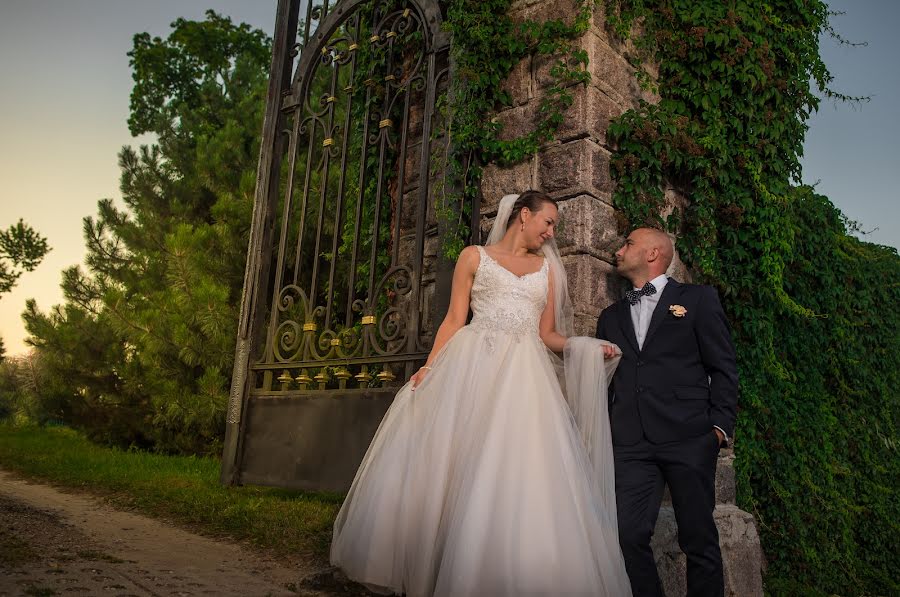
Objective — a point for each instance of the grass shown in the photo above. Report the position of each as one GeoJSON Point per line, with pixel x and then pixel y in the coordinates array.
{"type": "Point", "coordinates": [184, 490]}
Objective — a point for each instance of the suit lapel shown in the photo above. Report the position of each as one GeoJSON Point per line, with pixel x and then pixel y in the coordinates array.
{"type": "Point", "coordinates": [627, 324]}
{"type": "Point", "coordinates": [669, 294]}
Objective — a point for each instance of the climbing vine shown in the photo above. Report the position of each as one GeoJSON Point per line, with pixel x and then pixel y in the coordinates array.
{"type": "Point", "coordinates": [818, 358]}
{"type": "Point", "coordinates": [487, 45]}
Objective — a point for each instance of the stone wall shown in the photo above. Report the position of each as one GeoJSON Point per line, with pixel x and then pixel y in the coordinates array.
{"type": "Point", "coordinates": [575, 170]}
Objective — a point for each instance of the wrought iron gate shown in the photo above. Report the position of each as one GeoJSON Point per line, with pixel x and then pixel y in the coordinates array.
{"type": "Point", "coordinates": [343, 270]}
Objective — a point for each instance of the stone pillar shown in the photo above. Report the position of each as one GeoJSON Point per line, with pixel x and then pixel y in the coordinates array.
{"type": "Point", "coordinates": [575, 167]}
{"type": "Point", "coordinates": [575, 170]}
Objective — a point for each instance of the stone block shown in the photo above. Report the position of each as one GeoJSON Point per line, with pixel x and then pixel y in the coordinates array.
{"type": "Point", "coordinates": [575, 168]}
{"type": "Point", "coordinates": [589, 114]}
{"type": "Point", "coordinates": [485, 228]}
{"type": "Point", "coordinates": [541, 11]}
{"type": "Point", "coordinates": [411, 165]}
{"type": "Point", "coordinates": [593, 283]}
{"type": "Point", "coordinates": [497, 181]}
{"type": "Point", "coordinates": [587, 225]}
{"type": "Point", "coordinates": [742, 556]}
{"type": "Point", "coordinates": [408, 209]}
{"type": "Point", "coordinates": [518, 121]}
{"type": "Point", "coordinates": [416, 117]}
{"type": "Point", "coordinates": [679, 270]}
{"type": "Point", "coordinates": [586, 324]}
{"type": "Point", "coordinates": [518, 84]}
{"type": "Point", "coordinates": [610, 71]}
{"type": "Point", "coordinates": [726, 490]}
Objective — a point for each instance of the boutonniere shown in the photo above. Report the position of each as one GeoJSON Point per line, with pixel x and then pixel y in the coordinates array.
{"type": "Point", "coordinates": [677, 310]}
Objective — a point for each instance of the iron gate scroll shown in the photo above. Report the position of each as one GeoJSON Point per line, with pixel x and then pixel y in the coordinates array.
{"type": "Point", "coordinates": [338, 305]}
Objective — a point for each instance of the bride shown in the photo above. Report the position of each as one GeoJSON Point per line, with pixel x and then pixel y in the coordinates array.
{"type": "Point", "coordinates": [481, 480]}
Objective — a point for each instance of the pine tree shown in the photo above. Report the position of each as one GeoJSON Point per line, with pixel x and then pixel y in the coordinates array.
{"type": "Point", "coordinates": [151, 324]}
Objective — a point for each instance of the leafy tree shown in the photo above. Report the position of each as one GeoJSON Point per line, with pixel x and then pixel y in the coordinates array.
{"type": "Point", "coordinates": [146, 336]}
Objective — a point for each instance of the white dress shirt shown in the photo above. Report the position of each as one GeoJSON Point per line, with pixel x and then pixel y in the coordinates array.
{"type": "Point", "coordinates": [642, 312]}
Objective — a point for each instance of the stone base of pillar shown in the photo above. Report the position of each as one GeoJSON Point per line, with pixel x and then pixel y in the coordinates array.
{"type": "Point", "coordinates": [742, 555]}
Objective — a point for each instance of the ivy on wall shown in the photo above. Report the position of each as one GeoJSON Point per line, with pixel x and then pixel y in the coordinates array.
{"type": "Point", "coordinates": [487, 45]}
{"type": "Point", "coordinates": [818, 340]}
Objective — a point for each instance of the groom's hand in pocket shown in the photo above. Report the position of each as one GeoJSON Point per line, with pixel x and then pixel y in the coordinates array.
{"type": "Point", "coordinates": [719, 436]}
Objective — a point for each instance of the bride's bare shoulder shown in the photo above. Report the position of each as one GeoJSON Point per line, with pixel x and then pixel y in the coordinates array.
{"type": "Point", "coordinates": [469, 258]}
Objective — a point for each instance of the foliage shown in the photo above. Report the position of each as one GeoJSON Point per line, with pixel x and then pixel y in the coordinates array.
{"type": "Point", "coordinates": [141, 351]}
{"type": "Point", "coordinates": [21, 250]}
{"type": "Point", "coordinates": [183, 489]}
{"type": "Point", "coordinates": [487, 45]}
{"type": "Point", "coordinates": [818, 352]}
{"type": "Point", "coordinates": [20, 399]}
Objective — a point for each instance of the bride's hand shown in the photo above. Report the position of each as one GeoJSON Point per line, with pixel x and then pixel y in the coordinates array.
{"type": "Point", "coordinates": [418, 376]}
{"type": "Point", "coordinates": [610, 351]}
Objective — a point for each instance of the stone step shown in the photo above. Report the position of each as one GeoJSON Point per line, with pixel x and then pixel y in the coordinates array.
{"type": "Point", "coordinates": [742, 556]}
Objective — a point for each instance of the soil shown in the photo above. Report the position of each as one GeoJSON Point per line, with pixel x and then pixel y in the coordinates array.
{"type": "Point", "coordinates": [58, 542]}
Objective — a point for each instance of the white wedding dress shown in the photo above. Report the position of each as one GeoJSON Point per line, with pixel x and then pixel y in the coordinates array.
{"type": "Point", "coordinates": [478, 483]}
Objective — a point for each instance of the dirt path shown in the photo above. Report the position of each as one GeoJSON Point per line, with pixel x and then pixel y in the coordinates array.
{"type": "Point", "coordinates": [58, 543]}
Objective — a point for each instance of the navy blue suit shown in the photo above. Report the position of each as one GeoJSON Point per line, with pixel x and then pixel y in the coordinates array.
{"type": "Point", "coordinates": [664, 401]}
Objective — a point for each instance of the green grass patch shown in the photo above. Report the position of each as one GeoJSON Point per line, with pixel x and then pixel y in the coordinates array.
{"type": "Point", "coordinates": [184, 490]}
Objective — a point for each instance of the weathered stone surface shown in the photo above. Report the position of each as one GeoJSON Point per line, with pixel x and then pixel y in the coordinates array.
{"type": "Point", "coordinates": [586, 324]}
{"type": "Point", "coordinates": [519, 84]}
{"type": "Point", "coordinates": [416, 118]}
{"type": "Point", "coordinates": [726, 491]}
{"type": "Point", "coordinates": [593, 283]}
{"type": "Point", "coordinates": [587, 225]}
{"type": "Point", "coordinates": [409, 208]}
{"type": "Point", "coordinates": [412, 165]}
{"type": "Point", "coordinates": [575, 168]}
{"type": "Point", "coordinates": [679, 270]}
{"type": "Point", "coordinates": [497, 182]}
{"type": "Point", "coordinates": [610, 71]}
{"type": "Point", "coordinates": [675, 200]}
{"type": "Point", "coordinates": [589, 114]}
{"type": "Point", "coordinates": [518, 121]}
{"type": "Point", "coordinates": [741, 552]}
{"type": "Point", "coordinates": [541, 11]}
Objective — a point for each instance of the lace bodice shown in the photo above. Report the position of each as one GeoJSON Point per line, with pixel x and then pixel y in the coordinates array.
{"type": "Point", "coordinates": [503, 301]}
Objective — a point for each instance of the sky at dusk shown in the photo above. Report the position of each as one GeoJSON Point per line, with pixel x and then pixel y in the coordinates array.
{"type": "Point", "coordinates": [65, 85]}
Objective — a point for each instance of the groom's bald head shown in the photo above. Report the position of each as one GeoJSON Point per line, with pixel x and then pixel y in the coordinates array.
{"type": "Point", "coordinates": [646, 254]}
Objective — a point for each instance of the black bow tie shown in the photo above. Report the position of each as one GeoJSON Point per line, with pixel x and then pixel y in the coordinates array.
{"type": "Point", "coordinates": [633, 296]}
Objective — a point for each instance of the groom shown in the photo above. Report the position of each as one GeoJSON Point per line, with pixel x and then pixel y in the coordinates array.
{"type": "Point", "coordinates": [672, 406]}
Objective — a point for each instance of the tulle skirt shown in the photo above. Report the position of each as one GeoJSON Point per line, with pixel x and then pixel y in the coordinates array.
{"type": "Point", "coordinates": [478, 483]}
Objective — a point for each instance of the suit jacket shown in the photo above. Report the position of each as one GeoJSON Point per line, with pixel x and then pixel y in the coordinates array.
{"type": "Point", "coordinates": [684, 380]}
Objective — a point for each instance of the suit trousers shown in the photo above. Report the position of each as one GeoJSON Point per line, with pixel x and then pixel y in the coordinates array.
{"type": "Point", "coordinates": [688, 467]}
